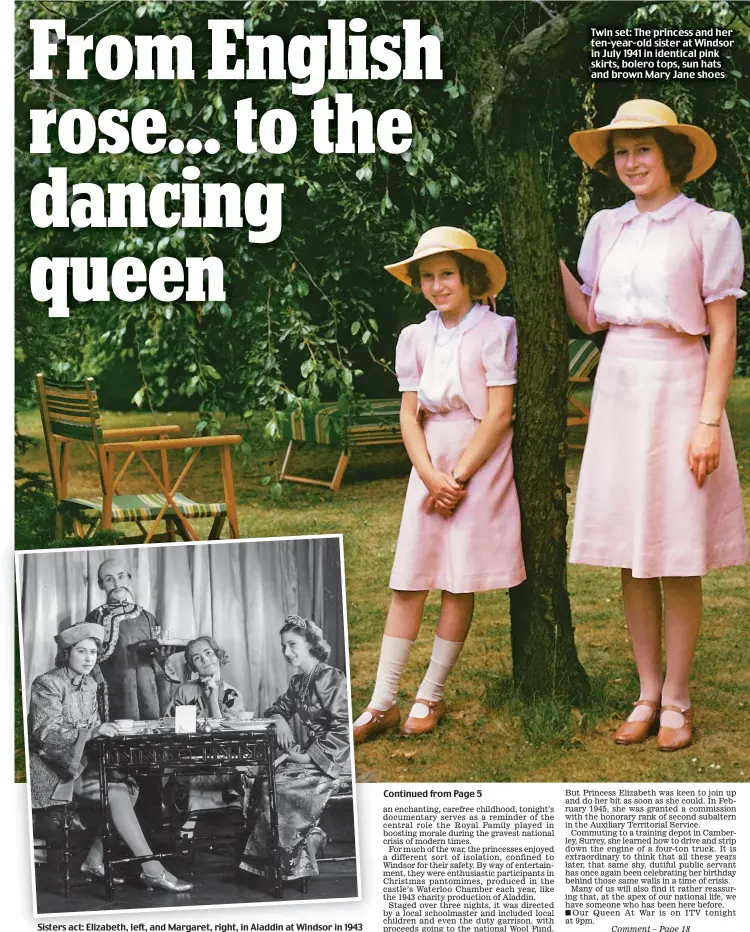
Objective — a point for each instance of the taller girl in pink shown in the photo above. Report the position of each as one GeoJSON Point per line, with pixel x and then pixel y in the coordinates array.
{"type": "Point", "coordinates": [460, 530]}
{"type": "Point", "coordinates": [658, 493]}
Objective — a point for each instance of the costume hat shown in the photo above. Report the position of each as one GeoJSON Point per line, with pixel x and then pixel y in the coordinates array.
{"type": "Point", "coordinates": [75, 633]}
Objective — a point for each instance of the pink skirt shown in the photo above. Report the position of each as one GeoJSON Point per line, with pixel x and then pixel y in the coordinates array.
{"type": "Point", "coordinates": [638, 505]}
{"type": "Point", "coordinates": [479, 547]}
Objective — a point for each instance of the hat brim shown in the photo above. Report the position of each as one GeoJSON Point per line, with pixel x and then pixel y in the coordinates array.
{"type": "Point", "coordinates": [494, 265]}
{"type": "Point", "coordinates": [591, 144]}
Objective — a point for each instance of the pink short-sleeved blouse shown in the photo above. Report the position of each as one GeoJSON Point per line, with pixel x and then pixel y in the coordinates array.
{"type": "Point", "coordinates": [660, 267]}
{"type": "Point", "coordinates": [499, 348]}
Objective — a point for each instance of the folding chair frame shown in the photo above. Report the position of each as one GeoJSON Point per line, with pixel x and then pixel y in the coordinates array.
{"type": "Point", "coordinates": [104, 447]}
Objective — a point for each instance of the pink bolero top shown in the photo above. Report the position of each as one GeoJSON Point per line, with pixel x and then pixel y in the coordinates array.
{"type": "Point", "coordinates": [660, 267]}
{"type": "Point", "coordinates": [487, 355]}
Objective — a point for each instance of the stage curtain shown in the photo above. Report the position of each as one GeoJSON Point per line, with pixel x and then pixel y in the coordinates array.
{"type": "Point", "coordinates": [238, 592]}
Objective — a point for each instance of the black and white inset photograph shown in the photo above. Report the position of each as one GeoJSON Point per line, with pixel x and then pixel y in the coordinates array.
{"type": "Point", "coordinates": [188, 731]}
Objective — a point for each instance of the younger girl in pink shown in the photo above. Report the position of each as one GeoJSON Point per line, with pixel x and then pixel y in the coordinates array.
{"type": "Point", "coordinates": [460, 530]}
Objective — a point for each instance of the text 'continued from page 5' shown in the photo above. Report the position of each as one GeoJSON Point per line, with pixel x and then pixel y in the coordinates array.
{"type": "Point", "coordinates": [468, 863]}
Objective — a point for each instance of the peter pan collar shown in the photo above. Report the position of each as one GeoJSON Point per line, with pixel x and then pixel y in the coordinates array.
{"type": "Point", "coordinates": [667, 211]}
{"type": "Point", "coordinates": [468, 322]}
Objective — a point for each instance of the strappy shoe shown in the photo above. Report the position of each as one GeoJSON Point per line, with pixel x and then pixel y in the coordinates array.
{"type": "Point", "coordinates": [637, 732]}
{"type": "Point", "coordinates": [165, 881]}
{"type": "Point", "coordinates": [675, 739]}
{"type": "Point", "coordinates": [378, 723]}
{"type": "Point", "coordinates": [422, 725]}
{"type": "Point", "coordinates": [97, 873]}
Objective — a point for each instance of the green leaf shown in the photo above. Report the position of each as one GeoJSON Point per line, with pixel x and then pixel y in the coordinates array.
{"type": "Point", "coordinates": [355, 328]}
{"type": "Point", "coordinates": [276, 490]}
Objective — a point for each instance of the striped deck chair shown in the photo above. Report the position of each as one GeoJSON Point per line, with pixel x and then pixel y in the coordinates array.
{"type": "Point", "coordinates": [71, 413]}
{"type": "Point", "coordinates": [583, 357]}
{"type": "Point", "coordinates": [377, 424]}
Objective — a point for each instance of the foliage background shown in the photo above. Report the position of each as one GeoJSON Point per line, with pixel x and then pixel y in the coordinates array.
{"type": "Point", "coordinates": [313, 314]}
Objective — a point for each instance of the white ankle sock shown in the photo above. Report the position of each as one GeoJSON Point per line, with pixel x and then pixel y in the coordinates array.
{"type": "Point", "coordinates": [444, 656]}
{"type": "Point", "coordinates": [394, 653]}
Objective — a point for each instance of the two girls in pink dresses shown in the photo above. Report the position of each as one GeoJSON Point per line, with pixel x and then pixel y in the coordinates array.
{"type": "Point", "coordinates": [658, 493]}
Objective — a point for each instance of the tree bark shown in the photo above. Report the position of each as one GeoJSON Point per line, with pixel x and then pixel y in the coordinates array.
{"type": "Point", "coordinates": [507, 90]}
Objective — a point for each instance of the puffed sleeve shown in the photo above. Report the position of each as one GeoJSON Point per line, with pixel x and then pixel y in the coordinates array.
{"type": "Point", "coordinates": [57, 740]}
{"type": "Point", "coordinates": [500, 352]}
{"type": "Point", "coordinates": [722, 257]}
{"type": "Point", "coordinates": [407, 366]}
{"type": "Point", "coordinates": [330, 751]}
{"type": "Point", "coordinates": [588, 258]}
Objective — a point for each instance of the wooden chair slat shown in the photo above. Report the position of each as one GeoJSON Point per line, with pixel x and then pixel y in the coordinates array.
{"type": "Point", "coordinates": [71, 412]}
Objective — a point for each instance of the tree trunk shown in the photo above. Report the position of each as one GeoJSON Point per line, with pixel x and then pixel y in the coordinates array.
{"type": "Point", "coordinates": [545, 661]}
{"type": "Point", "coordinates": [507, 88]}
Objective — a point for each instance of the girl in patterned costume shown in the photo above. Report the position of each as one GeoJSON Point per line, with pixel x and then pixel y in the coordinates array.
{"type": "Point", "coordinates": [309, 773]}
{"type": "Point", "coordinates": [63, 717]}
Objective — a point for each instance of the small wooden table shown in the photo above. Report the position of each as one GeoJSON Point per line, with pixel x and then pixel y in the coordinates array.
{"type": "Point", "coordinates": [160, 749]}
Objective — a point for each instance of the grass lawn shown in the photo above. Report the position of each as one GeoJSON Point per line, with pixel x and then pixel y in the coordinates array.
{"type": "Point", "coordinates": [488, 735]}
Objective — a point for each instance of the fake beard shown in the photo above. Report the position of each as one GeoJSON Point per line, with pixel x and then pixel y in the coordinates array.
{"type": "Point", "coordinates": [121, 598]}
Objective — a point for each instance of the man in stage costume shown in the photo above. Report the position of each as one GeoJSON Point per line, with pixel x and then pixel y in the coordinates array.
{"type": "Point", "coordinates": [138, 686]}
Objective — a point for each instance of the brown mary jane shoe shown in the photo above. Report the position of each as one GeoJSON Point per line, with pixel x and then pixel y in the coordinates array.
{"type": "Point", "coordinates": [636, 732]}
{"type": "Point", "coordinates": [675, 739]}
{"type": "Point", "coordinates": [421, 726]}
{"type": "Point", "coordinates": [378, 724]}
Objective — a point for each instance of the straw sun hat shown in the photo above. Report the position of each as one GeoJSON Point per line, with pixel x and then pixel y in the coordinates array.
{"type": "Point", "coordinates": [452, 239]}
{"type": "Point", "coordinates": [591, 144]}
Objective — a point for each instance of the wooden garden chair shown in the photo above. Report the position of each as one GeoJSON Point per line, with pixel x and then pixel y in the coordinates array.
{"type": "Point", "coordinates": [583, 358]}
{"type": "Point", "coordinates": [70, 412]}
